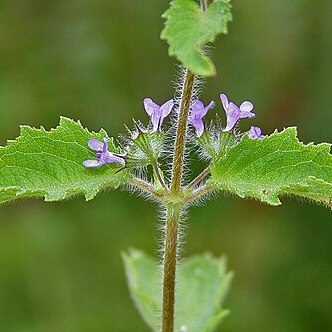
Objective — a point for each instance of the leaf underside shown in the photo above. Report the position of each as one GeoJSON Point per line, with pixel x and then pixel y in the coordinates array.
{"type": "Point", "coordinates": [48, 164]}
{"type": "Point", "coordinates": [277, 165]}
{"type": "Point", "coordinates": [188, 29]}
{"type": "Point", "coordinates": [202, 284]}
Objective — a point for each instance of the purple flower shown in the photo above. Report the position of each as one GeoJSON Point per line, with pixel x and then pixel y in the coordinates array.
{"type": "Point", "coordinates": [255, 132]}
{"type": "Point", "coordinates": [157, 113]}
{"type": "Point", "coordinates": [198, 111]}
{"type": "Point", "coordinates": [235, 113]}
{"type": "Point", "coordinates": [103, 155]}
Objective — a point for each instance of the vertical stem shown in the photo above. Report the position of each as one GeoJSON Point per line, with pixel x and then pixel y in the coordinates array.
{"type": "Point", "coordinates": [181, 132]}
{"type": "Point", "coordinates": [170, 261]}
{"type": "Point", "coordinates": [173, 209]}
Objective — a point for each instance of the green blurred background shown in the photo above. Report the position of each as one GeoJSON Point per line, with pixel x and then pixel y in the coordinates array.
{"type": "Point", "coordinates": [95, 60]}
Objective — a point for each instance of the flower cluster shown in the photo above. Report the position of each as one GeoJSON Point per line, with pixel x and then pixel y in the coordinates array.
{"type": "Point", "coordinates": [198, 111]}
{"type": "Point", "coordinates": [233, 115]}
{"type": "Point", "coordinates": [157, 115]}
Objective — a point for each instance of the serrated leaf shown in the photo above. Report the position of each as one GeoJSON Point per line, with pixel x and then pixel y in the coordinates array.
{"type": "Point", "coordinates": [48, 164]}
{"type": "Point", "coordinates": [277, 165]}
{"type": "Point", "coordinates": [188, 29]}
{"type": "Point", "coordinates": [202, 284]}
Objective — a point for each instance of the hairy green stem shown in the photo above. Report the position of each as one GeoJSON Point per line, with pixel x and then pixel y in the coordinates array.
{"type": "Point", "coordinates": [181, 131]}
{"type": "Point", "coordinates": [200, 177]}
{"type": "Point", "coordinates": [170, 261]}
{"type": "Point", "coordinates": [198, 193]}
{"type": "Point", "coordinates": [159, 175]}
{"type": "Point", "coordinates": [144, 186]}
{"type": "Point", "coordinates": [174, 209]}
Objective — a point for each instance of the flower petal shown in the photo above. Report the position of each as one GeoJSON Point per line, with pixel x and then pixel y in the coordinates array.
{"type": "Point", "coordinates": [197, 108]}
{"type": "Point", "coordinates": [166, 108]}
{"type": "Point", "coordinates": [255, 132]}
{"type": "Point", "coordinates": [233, 116]}
{"type": "Point", "coordinates": [111, 158]}
{"type": "Point", "coordinates": [95, 144]}
{"type": "Point", "coordinates": [224, 101]}
{"type": "Point", "coordinates": [155, 119]}
{"type": "Point", "coordinates": [245, 114]}
{"type": "Point", "coordinates": [198, 123]}
{"type": "Point", "coordinates": [105, 145]}
{"type": "Point", "coordinates": [91, 163]}
{"type": "Point", "coordinates": [150, 106]}
{"type": "Point", "coordinates": [232, 108]}
{"type": "Point", "coordinates": [246, 106]}
{"type": "Point", "coordinates": [210, 105]}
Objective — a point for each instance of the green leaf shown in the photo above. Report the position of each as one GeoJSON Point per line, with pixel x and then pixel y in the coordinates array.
{"type": "Point", "coordinates": [277, 165]}
{"type": "Point", "coordinates": [202, 284]}
{"type": "Point", "coordinates": [188, 29]}
{"type": "Point", "coordinates": [143, 276]}
{"type": "Point", "coordinates": [202, 287]}
{"type": "Point", "coordinates": [48, 164]}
